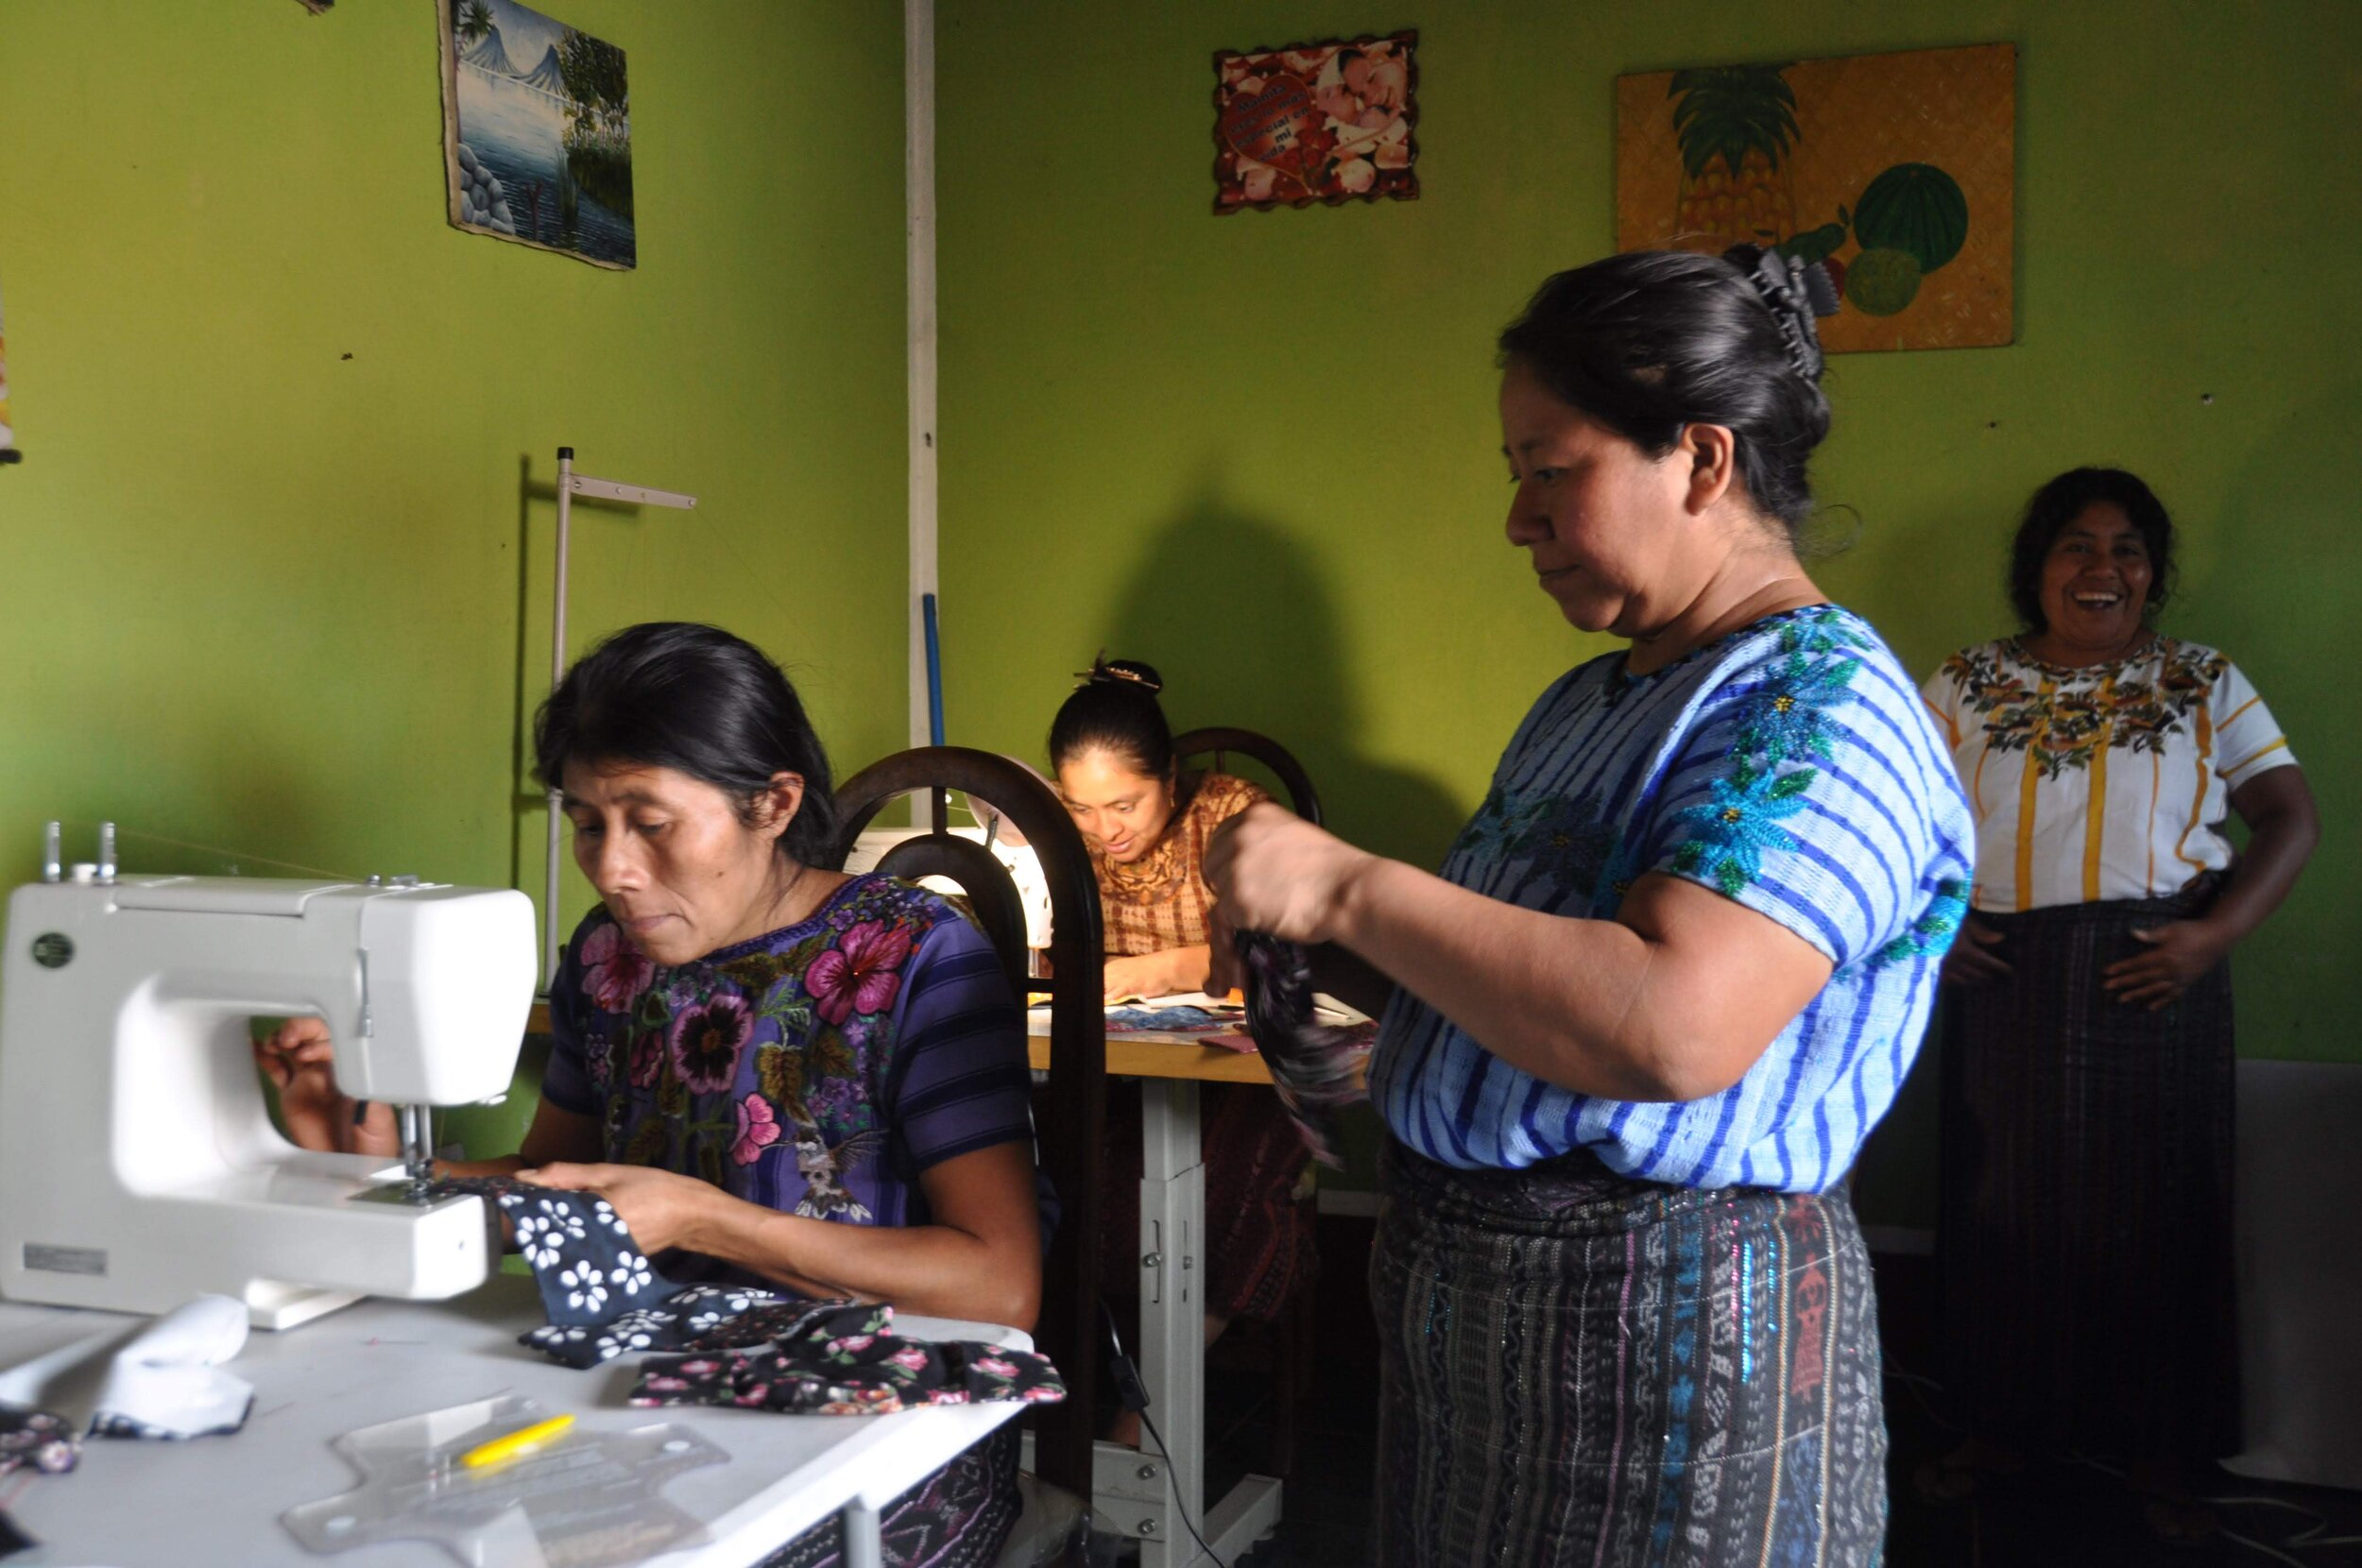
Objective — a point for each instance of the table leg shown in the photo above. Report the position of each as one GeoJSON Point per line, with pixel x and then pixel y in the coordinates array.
{"type": "Point", "coordinates": [1173, 1305]}
{"type": "Point", "coordinates": [865, 1546]}
{"type": "Point", "coordinates": [1135, 1492]}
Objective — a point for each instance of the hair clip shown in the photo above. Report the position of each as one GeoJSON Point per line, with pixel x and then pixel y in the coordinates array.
{"type": "Point", "coordinates": [1103, 673]}
{"type": "Point", "coordinates": [1795, 291]}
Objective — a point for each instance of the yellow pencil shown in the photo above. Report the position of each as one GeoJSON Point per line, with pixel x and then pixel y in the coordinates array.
{"type": "Point", "coordinates": [515, 1442]}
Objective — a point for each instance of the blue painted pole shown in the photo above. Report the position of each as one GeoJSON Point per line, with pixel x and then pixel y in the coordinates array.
{"type": "Point", "coordinates": [934, 670]}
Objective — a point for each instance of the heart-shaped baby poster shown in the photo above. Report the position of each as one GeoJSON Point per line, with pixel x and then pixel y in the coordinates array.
{"type": "Point", "coordinates": [1269, 128]}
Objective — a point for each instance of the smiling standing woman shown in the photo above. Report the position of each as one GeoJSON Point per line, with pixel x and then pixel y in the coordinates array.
{"type": "Point", "coordinates": [2086, 1227]}
{"type": "Point", "coordinates": [777, 1074]}
{"type": "Point", "coordinates": [1669, 977]}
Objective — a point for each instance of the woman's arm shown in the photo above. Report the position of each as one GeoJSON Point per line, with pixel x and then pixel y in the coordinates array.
{"type": "Point", "coordinates": [2282, 828]}
{"type": "Point", "coordinates": [299, 1060]}
{"type": "Point", "coordinates": [1160, 974]}
{"type": "Point", "coordinates": [555, 1136]}
{"type": "Point", "coordinates": [1674, 999]}
{"type": "Point", "coordinates": [979, 1258]}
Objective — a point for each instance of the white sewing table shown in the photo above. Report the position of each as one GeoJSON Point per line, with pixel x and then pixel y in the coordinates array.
{"type": "Point", "coordinates": [1133, 1492]}
{"type": "Point", "coordinates": [215, 1502]}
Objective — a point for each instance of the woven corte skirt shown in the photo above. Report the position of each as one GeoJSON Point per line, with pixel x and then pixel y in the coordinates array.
{"type": "Point", "coordinates": [1582, 1369]}
{"type": "Point", "coordinates": [2086, 1237]}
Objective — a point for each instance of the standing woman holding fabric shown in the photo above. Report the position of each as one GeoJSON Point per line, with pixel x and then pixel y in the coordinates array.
{"type": "Point", "coordinates": [2088, 1070]}
{"type": "Point", "coordinates": [1670, 975]}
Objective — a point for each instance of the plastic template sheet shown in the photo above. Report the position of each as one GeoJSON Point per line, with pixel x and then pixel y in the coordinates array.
{"type": "Point", "coordinates": [587, 1499]}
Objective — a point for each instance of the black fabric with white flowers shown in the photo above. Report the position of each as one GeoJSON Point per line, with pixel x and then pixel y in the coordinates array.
{"type": "Point", "coordinates": [579, 1248]}
{"type": "Point", "coordinates": [730, 1344]}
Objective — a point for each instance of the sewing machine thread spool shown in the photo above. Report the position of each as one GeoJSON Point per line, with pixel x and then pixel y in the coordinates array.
{"type": "Point", "coordinates": [106, 851]}
{"type": "Point", "coordinates": [53, 852]}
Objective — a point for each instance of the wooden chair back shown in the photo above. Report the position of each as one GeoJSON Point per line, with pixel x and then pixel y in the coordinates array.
{"type": "Point", "coordinates": [1221, 741]}
{"type": "Point", "coordinates": [1074, 1101]}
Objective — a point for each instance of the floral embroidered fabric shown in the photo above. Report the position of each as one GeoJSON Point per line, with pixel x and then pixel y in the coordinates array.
{"type": "Point", "coordinates": [38, 1441]}
{"type": "Point", "coordinates": [2102, 782]}
{"type": "Point", "coordinates": [818, 1070]}
{"type": "Point", "coordinates": [737, 1345]}
{"type": "Point", "coordinates": [841, 1360]}
{"type": "Point", "coordinates": [1790, 767]}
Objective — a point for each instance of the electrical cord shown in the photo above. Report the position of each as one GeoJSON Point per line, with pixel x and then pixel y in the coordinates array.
{"type": "Point", "coordinates": [1132, 1394]}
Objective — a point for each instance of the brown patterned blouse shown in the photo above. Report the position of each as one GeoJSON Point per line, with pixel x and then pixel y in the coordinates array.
{"type": "Point", "coordinates": [1161, 901]}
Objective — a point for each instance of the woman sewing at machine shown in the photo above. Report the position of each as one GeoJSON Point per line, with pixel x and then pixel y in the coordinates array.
{"type": "Point", "coordinates": [782, 1074]}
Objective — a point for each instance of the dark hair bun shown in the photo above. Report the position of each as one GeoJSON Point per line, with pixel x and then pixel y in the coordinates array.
{"type": "Point", "coordinates": [1114, 709]}
{"type": "Point", "coordinates": [1124, 672]}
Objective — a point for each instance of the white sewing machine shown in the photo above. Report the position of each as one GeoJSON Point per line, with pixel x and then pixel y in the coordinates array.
{"type": "Point", "coordinates": [138, 1162]}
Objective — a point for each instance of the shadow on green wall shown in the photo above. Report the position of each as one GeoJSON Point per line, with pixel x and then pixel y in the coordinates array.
{"type": "Point", "coordinates": [1236, 615]}
{"type": "Point", "coordinates": [2275, 592]}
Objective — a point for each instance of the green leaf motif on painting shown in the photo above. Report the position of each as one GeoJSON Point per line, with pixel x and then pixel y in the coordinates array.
{"type": "Point", "coordinates": [1732, 110]}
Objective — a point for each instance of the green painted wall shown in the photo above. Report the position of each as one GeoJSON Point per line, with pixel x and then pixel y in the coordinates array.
{"type": "Point", "coordinates": [1261, 450]}
{"type": "Point", "coordinates": [273, 582]}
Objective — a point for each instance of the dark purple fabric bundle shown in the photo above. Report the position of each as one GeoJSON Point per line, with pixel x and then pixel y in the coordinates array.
{"type": "Point", "coordinates": [1317, 1068]}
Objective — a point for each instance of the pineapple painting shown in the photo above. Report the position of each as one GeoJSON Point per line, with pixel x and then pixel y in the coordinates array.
{"type": "Point", "coordinates": [1735, 124]}
{"type": "Point", "coordinates": [1895, 172]}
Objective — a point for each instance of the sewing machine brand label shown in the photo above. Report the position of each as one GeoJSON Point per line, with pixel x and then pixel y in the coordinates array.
{"type": "Point", "coordinates": [65, 1260]}
{"type": "Point", "coordinates": [53, 949]}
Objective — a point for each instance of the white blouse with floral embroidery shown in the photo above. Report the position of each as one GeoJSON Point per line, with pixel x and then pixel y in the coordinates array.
{"type": "Point", "coordinates": [2103, 781]}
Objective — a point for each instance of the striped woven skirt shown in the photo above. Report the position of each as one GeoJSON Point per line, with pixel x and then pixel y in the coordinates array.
{"type": "Point", "coordinates": [2086, 1235]}
{"type": "Point", "coordinates": [1578, 1368]}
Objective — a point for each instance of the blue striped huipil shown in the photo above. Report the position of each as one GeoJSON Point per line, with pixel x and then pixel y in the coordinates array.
{"type": "Point", "coordinates": [1793, 767]}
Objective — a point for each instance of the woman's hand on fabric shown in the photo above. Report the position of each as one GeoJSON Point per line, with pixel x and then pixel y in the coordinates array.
{"type": "Point", "coordinates": [978, 1256]}
{"type": "Point", "coordinates": [299, 1058]}
{"type": "Point", "coordinates": [660, 1209]}
{"type": "Point", "coordinates": [1971, 960]}
{"type": "Point", "coordinates": [1275, 872]}
{"type": "Point", "coordinates": [1131, 977]}
{"type": "Point", "coordinates": [2179, 953]}
{"type": "Point", "coordinates": [1163, 974]}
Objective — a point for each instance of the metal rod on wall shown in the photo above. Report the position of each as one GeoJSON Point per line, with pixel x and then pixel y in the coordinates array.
{"type": "Point", "coordinates": [919, 216]}
{"type": "Point", "coordinates": [571, 485]}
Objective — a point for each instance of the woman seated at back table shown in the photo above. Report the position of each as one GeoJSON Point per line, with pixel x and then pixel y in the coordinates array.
{"type": "Point", "coordinates": [1146, 823]}
{"type": "Point", "coordinates": [777, 1074]}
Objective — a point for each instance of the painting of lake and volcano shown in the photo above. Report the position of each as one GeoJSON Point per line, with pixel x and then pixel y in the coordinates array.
{"type": "Point", "coordinates": [537, 132]}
